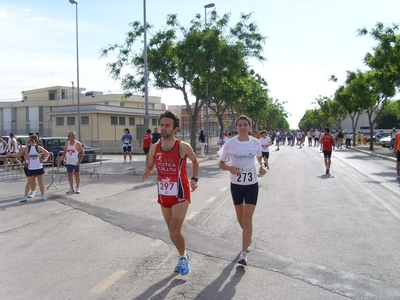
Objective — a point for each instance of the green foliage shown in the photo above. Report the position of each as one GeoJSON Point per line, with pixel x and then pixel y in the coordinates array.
{"type": "Point", "coordinates": [189, 59]}
{"type": "Point", "coordinates": [389, 116]}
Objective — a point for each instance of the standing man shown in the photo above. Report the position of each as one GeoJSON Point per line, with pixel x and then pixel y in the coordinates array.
{"type": "Point", "coordinates": [147, 143]}
{"type": "Point", "coordinates": [393, 135]}
{"type": "Point", "coordinates": [328, 144]}
{"type": "Point", "coordinates": [39, 139]}
{"type": "Point", "coordinates": [174, 187]}
{"type": "Point", "coordinates": [156, 136]}
{"type": "Point", "coordinates": [397, 151]}
{"type": "Point", "coordinates": [72, 157]}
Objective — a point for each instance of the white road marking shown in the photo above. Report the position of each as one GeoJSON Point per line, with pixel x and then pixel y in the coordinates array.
{"type": "Point", "coordinates": [106, 283]}
{"type": "Point", "coordinates": [192, 215]}
{"type": "Point", "coordinates": [224, 189]}
{"type": "Point", "coordinates": [211, 199]}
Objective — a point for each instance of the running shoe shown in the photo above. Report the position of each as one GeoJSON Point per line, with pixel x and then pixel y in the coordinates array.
{"type": "Point", "coordinates": [242, 258]}
{"type": "Point", "coordinates": [124, 162]}
{"type": "Point", "coordinates": [178, 265]}
{"type": "Point", "coordinates": [31, 194]}
{"type": "Point", "coordinates": [267, 167]}
{"type": "Point", "coordinates": [130, 162]}
{"type": "Point", "coordinates": [44, 198]}
{"type": "Point", "coordinates": [77, 191]}
{"type": "Point", "coordinates": [398, 177]}
{"type": "Point", "coordinates": [23, 199]}
{"type": "Point", "coordinates": [70, 191]}
{"type": "Point", "coordinates": [184, 264]}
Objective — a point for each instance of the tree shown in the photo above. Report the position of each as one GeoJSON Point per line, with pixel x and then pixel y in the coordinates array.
{"type": "Point", "coordinates": [189, 58]}
{"type": "Point", "coordinates": [385, 58]}
{"type": "Point", "coordinates": [350, 100]}
{"type": "Point", "coordinates": [389, 116]}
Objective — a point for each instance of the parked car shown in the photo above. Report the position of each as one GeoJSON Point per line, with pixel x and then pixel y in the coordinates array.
{"type": "Point", "coordinates": [380, 134]}
{"type": "Point", "coordinates": [385, 141]}
{"type": "Point", "coordinates": [56, 145]}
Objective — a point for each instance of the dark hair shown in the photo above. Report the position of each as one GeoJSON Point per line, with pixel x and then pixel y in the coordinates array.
{"type": "Point", "coordinates": [243, 117]}
{"type": "Point", "coordinates": [11, 134]}
{"type": "Point", "coordinates": [170, 114]}
{"type": "Point", "coordinates": [148, 130]}
{"type": "Point", "coordinates": [263, 131]}
{"type": "Point", "coordinates": [31, 133]}
{"type": "Point", "coordinates": [34, 138]}
{"type": "Point", "coordinates": [327, 129]}
{"type": "Point", "coordinates": [37, 133]}
{"type": "Point", "coordinates": [127, 130]}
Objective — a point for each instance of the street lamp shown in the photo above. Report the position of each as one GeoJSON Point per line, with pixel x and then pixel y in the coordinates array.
{"type": "Point", "coordinates": [77, 72]}
{"type": "Point", "coordinates": [207, 115]}
{"type": "Point", "coordinates": [146, 92]}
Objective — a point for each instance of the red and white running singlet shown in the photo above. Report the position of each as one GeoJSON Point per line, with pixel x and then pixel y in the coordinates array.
{"type": "Point", "coordinates": [327, 142]}
{"type": "Point", "coordinates": [173, 182]}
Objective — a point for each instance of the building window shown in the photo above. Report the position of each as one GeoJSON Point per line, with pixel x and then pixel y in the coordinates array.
{"type": "Point", "coordinates": [40, 113]}
{"type": "Point", "coordinates": [70, 120]}
{"type": "Point", "coordinates": [27, 114]}
{"type": "Point", "coordinates": [154, 122]}
{"type": "Point", "coordinates": [114, 120]}
{"type": "Point", "coordinates": [85, 120]}
{"type": "Point", "coordinates": [63, 94]}
{"type": "Point", "coordinates": [59, 121]}
{"type": "Point", "coordinates": [25, 98]}
{"type": "Point", "coordinates": [51, 96]}
{"type": "Point", "coordinates": [131, 121]}
{"type": "Point", "coordinates": [121, 120]}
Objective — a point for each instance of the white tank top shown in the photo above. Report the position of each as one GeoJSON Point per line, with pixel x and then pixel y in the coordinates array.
{"type": "Point", "coordinates": [71, 156]}
{"type": "Point", "coordinates": [11, 145]}
{"type": "Point", "coordinates": [34, 159]}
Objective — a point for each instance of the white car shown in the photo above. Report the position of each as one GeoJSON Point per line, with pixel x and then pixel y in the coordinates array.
{"type": "Point", "coordinates": [385, 141]}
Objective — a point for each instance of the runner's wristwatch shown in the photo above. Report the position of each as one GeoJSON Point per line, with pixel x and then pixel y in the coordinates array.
{"type": "Point", "coordinates": [195, 178]}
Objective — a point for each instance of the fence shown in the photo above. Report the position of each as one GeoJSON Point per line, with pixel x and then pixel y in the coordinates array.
{"type": "Point", "coordinates": [92, 162]}
{"type": "Point", "coordinates": [53, 166]}
{"type": "Point", "coordinates": [15, 171]}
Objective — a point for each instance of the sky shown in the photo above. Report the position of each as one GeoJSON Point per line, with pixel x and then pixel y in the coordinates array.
{"type": "Point", "coordinates": [307, 41]}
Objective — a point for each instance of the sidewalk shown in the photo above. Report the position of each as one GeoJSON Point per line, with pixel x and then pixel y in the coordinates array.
{"type": "Point", "coordinates": [379, 151]}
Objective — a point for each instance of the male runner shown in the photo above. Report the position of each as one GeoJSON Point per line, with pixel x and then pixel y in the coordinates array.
{"type": "Point", "coordinates": [169, 155]}
{"type": "Point", "coordinates": [328, 144]}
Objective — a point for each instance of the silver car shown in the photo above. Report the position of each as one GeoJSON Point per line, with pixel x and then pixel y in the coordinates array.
{"type": "Point", "coordinates": [385, 141]}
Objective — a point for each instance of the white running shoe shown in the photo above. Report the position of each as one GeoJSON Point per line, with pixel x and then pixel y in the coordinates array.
{"type": "Point", "coordinates": [44, 198]}
{"type": "Point", "coordinates": [77, 191]}
{"type": "Point", "coordinates": [23, 199]}
{"type": "Point", "coordinates": [31, 194]}
{"type": "Point", "coordinates": [242, 258]}
{"type": "Point", "coordinates": [70, 191]}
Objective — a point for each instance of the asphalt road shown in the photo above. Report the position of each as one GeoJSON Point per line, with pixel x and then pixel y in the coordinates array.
{"type": "Point", "coordinates": [316, 236]}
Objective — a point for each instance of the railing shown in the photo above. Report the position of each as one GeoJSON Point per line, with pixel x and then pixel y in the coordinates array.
{"type": "Point", "coordinates": [16, 171]}
{"type": "Point", "coordinates": [90, 165]}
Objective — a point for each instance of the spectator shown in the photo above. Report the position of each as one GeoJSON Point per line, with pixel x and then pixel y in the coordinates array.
{"type": "Point", "coordinates": [222, 139]}
{"type": "Point", "coordinates": [393, 134]}
{"type": "Point", "coordinates": [202, 140]}
{"type": "Point", "coordinates": [127, 145]}
{"type": "Point", "coordinates": [156, 136]}
{"type": "Point", "coordinates": [147, 143]}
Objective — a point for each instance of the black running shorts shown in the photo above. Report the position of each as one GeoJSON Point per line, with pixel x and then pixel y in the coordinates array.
{"type": "Point", "coordinates": [244, 193]}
